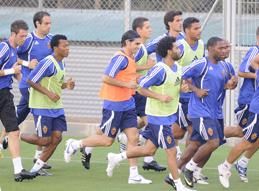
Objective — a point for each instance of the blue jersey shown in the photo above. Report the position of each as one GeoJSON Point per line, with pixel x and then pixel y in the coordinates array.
{"type": "Point", "coordinates": [230, 72]}
{"type": "Point", "coordinates": [8, 57]}
{"type": "Point", "coordinates": [151, 46]}
{"type": "Point", "coordinates": [33, 48]}
{"type": "Point", "coordinates": [205, 75]}
{"type": "Point", "coordinates": [45, 68]}
{"type": "Point", "coordinates": [155, 77]}
{"type": "Point", "coordinates": [117, 63]}
{"type": "Point", "coordinates": [254, 105]}
{"type": "Point", "coordinates": [248, 85]}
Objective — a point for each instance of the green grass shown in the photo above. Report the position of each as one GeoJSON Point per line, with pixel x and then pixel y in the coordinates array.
{"type": "Point", "coordinates": [73, 177]}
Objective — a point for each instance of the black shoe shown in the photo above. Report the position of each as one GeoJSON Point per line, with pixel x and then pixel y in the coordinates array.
{"type": "Point", "coordinates": [5, 142]}
{"type": "Point", "coordinates": [153, 165]}
{"type": "Point", "coordinates": [85, 159]}
{"type": "Point", "coordinates": [170, 181]}
{"type": "Point", "coordinates": [188, 177]}
{"type": "Point", "coordinates": [45, 166]}
{"type": "Point", "coordinates": [24, 174]}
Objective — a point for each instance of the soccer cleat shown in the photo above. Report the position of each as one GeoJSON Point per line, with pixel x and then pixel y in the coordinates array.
{"type": "Point", "coordinates": [85, 158]}
{"type": "Point", "coordinates": [45, 166]}
{"type": "Point", "coordinates": [188, 177]}
{"type": "Point", "coordinates": [200, 179]}
{"type": "Point", "coordinates": [183, 188]}
{"type": "Point", "coordinates": [224, 175]}
{"type": "Point", "coordinates": [153, 165]}
{"type": "Point", "coordinates": [43, 172]}
{"type": "Point", "coordinates": [242, 172]}
{"type": "Point", "coordinates": [138, 180]}
{"type": "Point", "coordinates": [5, 142]}
{"type": "Point", "coordinates": [170, 181]}
{"type": "Point", "coordinates": [112, 163]}
{"type": "Point", "coordinates": [69, 151]}
{"type": "Point", "coordinates": [24, 174]}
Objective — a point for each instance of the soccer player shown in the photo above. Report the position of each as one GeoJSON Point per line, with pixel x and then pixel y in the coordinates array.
{"type": "Point", "coordinates": [207, 73]}
{"type": "Point", "coordinates": [119, 84]}
{"type": "Point", "coordinates": [161, 86]}
{"type": "Point", "coordinates": [251, 131]}
{"type": "Point", "coordinates": [47, 81]}
{"type": "Point", "coordinates": [10, 68]}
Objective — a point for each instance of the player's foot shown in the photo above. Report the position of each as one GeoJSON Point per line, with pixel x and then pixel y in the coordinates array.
{"type": "Point", "coordinates": [242, 172]}
{"type": "Point", "coordinates": [170, 181]}
{"type": "Point", "coordinates": [45, 166]}
{"type": "Point", "coordinates": [139, 180]}
{"type": "Point", "coordinates": [24, 174]}
{"type": "Point", "coordinates": [200, 178]}
{"type": "Point", "coordinates": [43, 172]}
{"type": "Point", "coordinates": [69, 151]}
{"type": "Point", "coordinates": [188, 177]}
{"type": "Point", "coordinates": [5, 142]}
{"type": "Point", "coordinates": [85, 158]}
{"type": "Point", "coordinates": [224, 175]}
{"type": "Point", "coordinates": [153, 165]}
{"type": "Point", "coordinates": [112, 163]}
{"type": "Point", "coordinates": [183, 188]}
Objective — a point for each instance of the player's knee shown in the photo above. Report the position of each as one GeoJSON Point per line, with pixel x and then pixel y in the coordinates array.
{"type": "Point", "coordinates": [214, 143]}
{"type": "Point", "coordinates": [108, 142]}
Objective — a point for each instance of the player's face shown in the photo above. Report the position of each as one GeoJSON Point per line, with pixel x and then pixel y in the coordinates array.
{"type": "Point", "coordinates": [176, 24]}
{"type": "Point", "coordinates": [145, 31]}
{"type": "Point", "coordinates": [20, 37]}
{"type": "Point", "coordinates": [63, 48]}
{"type": "Point", "coordinates": [195, 31]}
{"type": "Point", "coordinates": [134, 45]}
{"type": "Point", "coordinates": [220, 50]}
{"type": "Point", "coordinates": [228, 49]}
{"type": "Point", "coordinates": [44, 26]}
{"type": "Point", "coordinates": [175, 52]}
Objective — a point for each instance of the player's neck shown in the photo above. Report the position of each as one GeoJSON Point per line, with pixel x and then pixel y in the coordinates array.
{"type": "Point", "coordinates": [39, 34]}
{"type": "Point", "coordinates": [190, 41]}
{"type": "Point", "coordinates": [212, 59]}
{"type": "Point", "coordinates": [143, 40]}
{"type": "Point", "coordinates": [173, 33]}
{"type": "Point", "coordinates": [168, 61]}
{"type": "Point", "coordinates": [127, 52]}
{"type": "Point", "coordinates": [58, 57]}
{"type": "Point", "coordinates": [11, 42]}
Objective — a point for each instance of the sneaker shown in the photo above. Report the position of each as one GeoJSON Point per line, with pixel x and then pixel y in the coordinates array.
{"type": "Point", "coordinates": [153, 165]}
{"type": "Point", "coordinates": [69, 151]}
{"type": "Point", "coordinates": [138, 180]}
{"type": "Point", "coordinates": [224, 175]}
{"type": "Point", "coordinates": [24, 174]}
{"type": "Point", "coordinates": [188, 177]}
{"type": "Point", "coordinates": [183, 188]}
{"type": "Point", "coordinates": [200, 179]}
{"type": "Point", "coordinates": [170, 181]}
{"type": "Point", "coordinates": [85, 159]}
{"type": "Point", "coordinates": [242, 172]}
{"type": "Point", "coordinates": [5, 142]}
{"type": "Point", "coordinates": [45, 166]}
{"type": "Point", "coordinates": [112, 163]}
{"type": "Point", "coordinates": [43, 172]}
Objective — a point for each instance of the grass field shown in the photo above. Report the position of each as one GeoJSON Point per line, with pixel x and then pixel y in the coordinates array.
{"type": "Point", "coordinates": [73, 177]}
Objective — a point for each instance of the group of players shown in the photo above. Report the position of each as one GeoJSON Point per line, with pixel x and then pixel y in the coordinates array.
{"type": "Point", "coordinates": [181, 90]}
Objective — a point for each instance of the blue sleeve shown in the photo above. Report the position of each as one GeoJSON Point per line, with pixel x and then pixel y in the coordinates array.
{"type": "Point", "coordinates": [25, 46]}
{"type": "Point", "coordinates": [117, 63]}
{"type": "Point", "coordinates": [154, 77]}
{"type": "Point", "coordinates": [195, 69]}
{"type": "Point", "coordinates": [231, 69]}
{"type": "Point", "coordinates": [151, 46]}
{"type": "Point", "coordinates": [139, 54]}
{"type": "Point", "coordinates": [45, 68]}
{"type": "Point", "coordinates": [181, 47]}
{"type": "Point", "coordinates": [4, 51]}
{"type": "Point", "coordinates": [244, 66]}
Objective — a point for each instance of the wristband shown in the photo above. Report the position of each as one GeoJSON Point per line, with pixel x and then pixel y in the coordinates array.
{"type": "Point", "coordinates": [25, 63]}
{"type": "Point", "coordinates": [8, 71]}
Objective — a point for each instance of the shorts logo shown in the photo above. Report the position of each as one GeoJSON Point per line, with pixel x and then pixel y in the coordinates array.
{"type": "Point", "coordinates": [169, 139]}
{"type": "Point", "coordinates": [113, 131]}
{"type": "Point", "coordinates": [45, 129]}
{"type": "Point", "coordinates": [244, 121]}
{"type": "Point", "coordinates": [210, 131]}
{"type": "Point", "coordinates": [253, 136]}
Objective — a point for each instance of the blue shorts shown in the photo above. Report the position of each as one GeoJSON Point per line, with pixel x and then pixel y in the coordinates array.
{"type": "Point", "coordinates": [242, 114]}
{"type": "Point", "coordinates": [140, 102]}
{"type": "Point", "coordinates": [204, 129]}
{"type": "Point", "coordinates": [115, 121]}
{"type": "Point", "coordinates": [182, 112]}
{"type": "Point", "coordinates": [160, 135]}
{"type": "Point", "coordinates": [221, 132]}
{"type": "Point", "coordinates": [251, 131]}
{"type": "Point", "coordinates": [46, 125]}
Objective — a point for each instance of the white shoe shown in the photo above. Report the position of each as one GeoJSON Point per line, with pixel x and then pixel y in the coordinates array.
{"type": "Point", "coordinates": [139, 180]}
{"type": "Point", "coordinates": [183, 188]}
{"type": "Point", "coordinates": [224, 175]}
{"type": "Point", "coordinates": [112, 163]}
{"type": "Point", "coordinates": [199, 178]}
{"type": "Point", "coordinates": [69, 151]}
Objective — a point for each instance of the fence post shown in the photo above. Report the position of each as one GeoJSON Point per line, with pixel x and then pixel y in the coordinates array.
{"type": "Point", "coordinates": [40, 4]}
{"type": "Point", "coordinates": [127, 9]}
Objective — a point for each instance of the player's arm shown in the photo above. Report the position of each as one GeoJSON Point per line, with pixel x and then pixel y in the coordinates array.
{"type": "Point", "coordinates": [255, 62]}
{"type": "Point", "coordinates": [149, 64]}
{"type": "Point", "coordinates": [15, 70]}
{"type": "Point", "coordinates": [70, 84]}
{"type": "Point", "coordinates": [29, 64]}
{"type": "Point", "coordinates": [233, 79]}
{"type": "Point", "coordinates": [199, 92]}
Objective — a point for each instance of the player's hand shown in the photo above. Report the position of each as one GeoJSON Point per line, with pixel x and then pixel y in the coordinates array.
{"type": "Point", "coordinates": [232, 83]}
{"type": "Point", "coordinates": [150, 63]}
{"type": "Point", "coordinates": [201, 93]}
{"type": "Point", "coordinates": [33, 63]}
{"type": "Point", "coordinates": [54, 97]}
{"type": "Point", "coordinates": [185, 88]}
{"type": "Point", "coordinates": [17, 68]}
{"type": "Point", "coordinates": [131, 85]}
{"type": "Point", "coordinates": [165, 98]}
{"type": "Point", "coordinates": [70, 84]}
